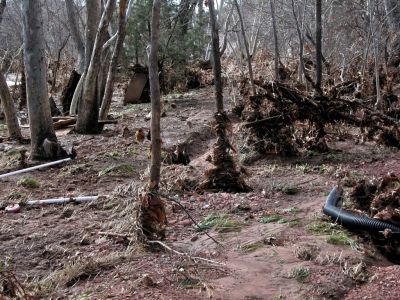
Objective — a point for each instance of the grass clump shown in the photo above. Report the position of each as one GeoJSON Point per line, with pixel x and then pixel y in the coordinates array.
{"type": "Point", "coordinates": [122, 169]}
{"type": "Point", "coordinates": [335, 235]}
{"type": "Point", "coordinates": [273, 219]}
{"type": "Point", "coordinates": [29, 183]}
{"type": "Point", "coordinates": [300, 274]}
{"type": "Point", "coordinates": [251, 247]}
{"type": "Point", "coordinates": [220, 222]}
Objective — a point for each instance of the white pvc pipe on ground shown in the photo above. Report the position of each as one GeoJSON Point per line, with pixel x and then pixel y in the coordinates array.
{"type": "Point", "coordinates": [62, 200]}
{"type": "Point", "coordinates": [35, 167]}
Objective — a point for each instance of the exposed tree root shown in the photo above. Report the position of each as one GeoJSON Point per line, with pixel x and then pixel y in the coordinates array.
{"type": "Point", "coordinates": [225, 176]}
{"type": "Point", "coordinates": [380, 199]}
{"type": "Point", "coordinates": [272, 118]}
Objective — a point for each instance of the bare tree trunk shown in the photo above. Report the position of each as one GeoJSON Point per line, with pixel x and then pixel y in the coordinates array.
{"type": "Point", "coordinates": [277, 58]}
{"type": "Point", "coordinates": [302, 68]}
{"type": "Point", "coordinates": [155, 167]}
{"type": "Point", "coordinates": [89, 105]}
{"type": "Point", "coordinates": [216, 61]}
{"type": "Point", "coordinates": [318, 48]}
{"type": "Point", "coordinates": [41, 125]}
{"type": "Point", "coordinates": [246, 46]}
{"type": "Point", "coordinates": [93, 14]}
{"type": "Point", "coordinates": [7, 102]}
{"type": "Point", "coordinates": [105, 106]}
{"type": "Point", "coordinates": [151, 214]}
{"type": "Point", "coordinates": [76, 36]}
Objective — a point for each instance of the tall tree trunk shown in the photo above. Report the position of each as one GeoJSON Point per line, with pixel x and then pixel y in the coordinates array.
{"type": "Point", "coordinates": [277, 58]}
{"type": "Point", "coordinates": [155, 98]}
{"type": "Point", "coordinates": [318, 47]}
{"type": "Point", "coordinates": [87, 122]}
{"type": "Point", "coordinates": [6, 100]}
{"type": "Point", "coordinates": [246, 47]}
{"type": "Point", "coordinates": [93, 14]}
{"type": "Point", "coordinates": [41, 125]}
{"type": "Point", "coordinates": [216, 61]}
{"type": "Point", "coordinates": [105, 105]}
{"type": "Point", "coordinates": [76, 35]}
{"type": "Point", "coordinates": [151, 214]}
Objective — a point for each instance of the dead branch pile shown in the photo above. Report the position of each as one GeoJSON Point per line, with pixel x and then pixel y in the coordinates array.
{"type": "Point", "coordinates": [380, 198]}
{"type": "Point", "coordinates": [273, 116]}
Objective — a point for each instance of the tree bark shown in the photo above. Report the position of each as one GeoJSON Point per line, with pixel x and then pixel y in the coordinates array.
{"type": "Point", "coordinates": [216, 62]}
{"type": "Point", "coordinates": [7, 102]}
{"type": "Point", "coordinates": [41, 124]}
{"type": "Point", "coordinates": [246, 47]}
{"type": "Point", "coordinates": [155, 167]}
{"type": "Point", "coordinates": [105, 106]}
{"type": "Point", "coordinates": [93, 14]}
{"type": "Point", "coordinates": [76, 35]}
{"type": "Point", "coordinates": [3, 5]}
{"type": "Point", "coordinates": [277, 58]}
{"type": "Point", "coordinates": [89, 105]}
{"type": "Point", "coordinates": [318, 38]}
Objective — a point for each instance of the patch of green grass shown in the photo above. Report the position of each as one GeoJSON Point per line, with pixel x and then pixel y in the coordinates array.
{"type": "Point", "coordinates": [29, 183]}
{"type": "Point", "coordinates": [112, 154]}
{"type": "Point", "coordinates": [304, 168]}
{"type": "Point", "coordinates": [220, 222]}
{"type": "Point", "coordinates": [251, 247]}
{"type": "Point", "coordinates": [122, 169]}
{"type": "Point", "coordinates": [340, 238]}
{"type": "Point", "coordinates": [295, 223]}
{"type": "Point", "coordinates": [132, 152]}
{"type": "Point", "coordinates": [77, 169]}
{"type": "Point", "coordinates": [300, 274]}
{"type": "Point", "coordinates": [273, 219]}
{"type": "Point", "coordinates": [12, 152]}
{"type": "Point", "coordinates": [321, 228]}
{"type": "Point", "coordinates": [3, 127]}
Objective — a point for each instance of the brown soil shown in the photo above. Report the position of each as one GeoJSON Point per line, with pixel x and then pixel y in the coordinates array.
{"type": "Point", "coordinates": [273, 242]}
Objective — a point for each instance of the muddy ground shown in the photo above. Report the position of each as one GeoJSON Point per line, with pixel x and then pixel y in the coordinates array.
{"type": "Point", "coordinates": [271, 243]}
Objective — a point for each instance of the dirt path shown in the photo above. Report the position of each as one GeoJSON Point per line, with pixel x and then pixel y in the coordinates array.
{"type": "Point", "coordinates": [274, 242]}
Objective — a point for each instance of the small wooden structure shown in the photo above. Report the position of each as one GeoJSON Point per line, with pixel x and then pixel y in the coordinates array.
{"type": "Point", "coordinates": [138, 90]}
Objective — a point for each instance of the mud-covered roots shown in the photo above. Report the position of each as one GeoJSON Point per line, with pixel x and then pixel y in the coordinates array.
{"type": "Point", "coordinates": [283, 119]}
{"type": "Point", "coordinates": [380, 199]}
{"type": "Point", "coordinates": [151, 218]}
{"type": "Point", "coordinates": [224, 176]}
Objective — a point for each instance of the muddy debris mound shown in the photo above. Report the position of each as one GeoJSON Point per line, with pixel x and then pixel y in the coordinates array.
{"type": "Point", "coordinates": [379, 198]}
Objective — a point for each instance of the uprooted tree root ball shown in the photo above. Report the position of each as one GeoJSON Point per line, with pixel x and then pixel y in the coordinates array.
{"type": "Point", "coordinates": [151, 218]}
{"type": "Point", "coordinates": [379, 198]}
{"type": "Point", "coordinates": [224, 176]}
{"type": "Point", "coordinates": [283, 119]}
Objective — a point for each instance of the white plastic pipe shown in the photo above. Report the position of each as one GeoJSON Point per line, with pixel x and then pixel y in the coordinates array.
{"type": "Point", "coordinates": [35, 167]}
{"type": "Point", "coordinates": [63, 200]}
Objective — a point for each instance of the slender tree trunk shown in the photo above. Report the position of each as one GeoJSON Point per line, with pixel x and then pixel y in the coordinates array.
{"type": "Point", "coordinates": [155, 167]}
{"type": "Point", "coordinates": [93, 14]}
{"type": "Point", "coordinates": [318, 37]}
{"type": "Point", "coordinates": [7, 102]}
{"type": "Point", "coordinates": [105, 106]}
{"type": "Point", "coordinates": [76, 35]}
{"type": "Point", "coordinates": [89, 105]}
{"type": "Point", "coordinates": [277, 58]}
{"type": "Point", "coordinates": [216, 61]}
{"type": "Point", "coordinates": [41, 125]}
{"type": "Point", "coordinates": [246, 47]}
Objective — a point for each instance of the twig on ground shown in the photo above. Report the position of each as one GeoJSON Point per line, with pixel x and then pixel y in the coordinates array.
{"type": "Point", "coordinates": [185, 254]}
{"type": "Point", "coordinates": [190, 216]}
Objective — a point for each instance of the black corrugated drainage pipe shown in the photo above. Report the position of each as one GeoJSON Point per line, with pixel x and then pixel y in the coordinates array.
{"type": "Point", "coordinates": [354, 222]}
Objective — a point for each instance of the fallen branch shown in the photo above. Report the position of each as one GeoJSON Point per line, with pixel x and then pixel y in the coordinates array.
{"type": "Point", "coordinates": [35, 167]}
{"type": "Point", "coordinates": [185, 254]}
{"type": "Point", "coordinates": [189, 215]}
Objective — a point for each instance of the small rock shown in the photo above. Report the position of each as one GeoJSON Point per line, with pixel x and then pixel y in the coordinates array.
{"type": "Point", "coordinates": [194, 238]}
